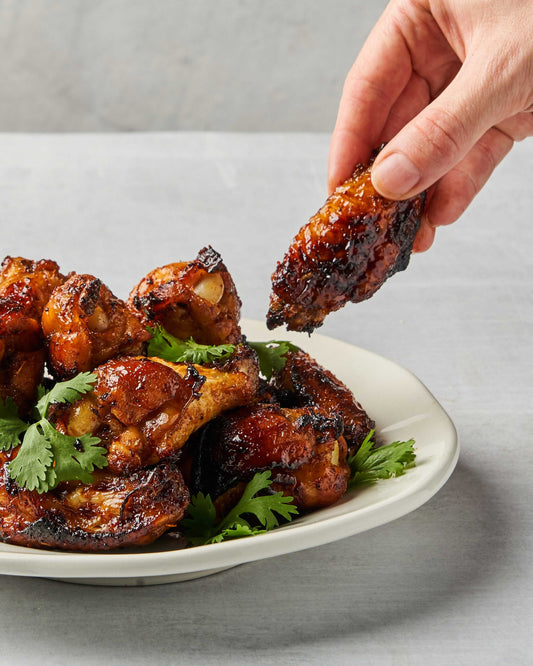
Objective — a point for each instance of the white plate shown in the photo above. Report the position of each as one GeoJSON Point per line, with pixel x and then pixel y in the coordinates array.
{"type": "Point", "coordinates": [402, 407]}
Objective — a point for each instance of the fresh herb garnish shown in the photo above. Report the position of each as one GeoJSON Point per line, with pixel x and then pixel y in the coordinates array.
{"type": "Point", "coordinates": [11, 426]}
{"type": "Point", "coordinates": [271, 355]}
{"type": "Point", "coordinates": [164, 345]}
{"type": "Point", "coordinates": [47, 457]}
{"type": "Point", "coordinates": [371, 463]}
{"type": "Point", "coordinates": [200, 526]}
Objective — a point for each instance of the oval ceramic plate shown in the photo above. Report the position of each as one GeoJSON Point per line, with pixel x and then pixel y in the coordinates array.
{"type": "Point", "coordinates": [402, 407]}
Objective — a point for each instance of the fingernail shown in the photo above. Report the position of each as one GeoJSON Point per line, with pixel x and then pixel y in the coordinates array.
{"type": "Point", "coordinates": [395, 176]}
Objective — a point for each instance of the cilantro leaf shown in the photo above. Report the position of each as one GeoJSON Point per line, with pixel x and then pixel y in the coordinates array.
{"type": "Point", "coordinates": [33, 459]}
{"type": "Point", "coordinates": [371, 463]}
{"type": "Point", "coordinates": [263, 507]}
{"type": "Point", "coordinates": [67, 391]}
{"type": "Point", "coordinates": [200, 525]}
{"type": "Point", "coordinates": [46, 456]}
{"type": "Point", "coordinates": [74, 457]}
{"type": "Point", "coordinates": [164, 345]}
{"type": "Point", "coordinates": [200, 519]}
{"type": "Point", "coordinates": [271, 355]}
{"type": "Point", "coordinates": [11, 426]}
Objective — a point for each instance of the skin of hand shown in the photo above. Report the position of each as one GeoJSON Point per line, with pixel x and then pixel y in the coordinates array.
{"type": "Point", "coordinates": [448, 85]}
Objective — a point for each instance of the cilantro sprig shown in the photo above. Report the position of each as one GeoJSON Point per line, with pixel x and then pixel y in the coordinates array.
{"type": "Point", "coordinates": [200, 526]}
{"type": "Point", "coordinates": [371, 462]}
{"type": "Point", "coordinates": [164, 345]}
{"type": "Point", "coordinates": [271, 355]}
{"type": "Point", "coordinates": [46, 456]}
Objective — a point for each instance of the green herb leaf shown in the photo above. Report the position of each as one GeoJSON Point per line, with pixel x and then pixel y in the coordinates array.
{"type": "Point", "coordinates": [46, 456]}
{"type": "Point", "coordinates": [371, 462]}
{"type": "Point", "coordinates": [199, 526]}
{"type": "Point", "coordinates": [67, 391]}
{"type": "Point", "coordinates": [33, 460]}
{"type": "Point", "coordinates": [74, 457]}
{"type": "Point", "coordinates": [11, 426]}
{"type": "Point", "coordinates": [166, 346]}
{"type": "Point", "coordinates": [271, 355]}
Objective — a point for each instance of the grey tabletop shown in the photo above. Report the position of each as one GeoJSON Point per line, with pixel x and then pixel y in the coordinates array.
{"type": "Point", "coordinates": [449, 583]}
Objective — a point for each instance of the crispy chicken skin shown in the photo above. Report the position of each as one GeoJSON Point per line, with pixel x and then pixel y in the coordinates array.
{"type": "Point", "coordinates": [25, 287]}
{"type": "Point", "coordinates": [85, 325]}
{"type": "Point", "coordinates": [113, 511]}
{"type": "Point", "coordinates": [344, 253]}
{"type": "Point", "coordinates": [303, 382]}
{"type": "Point", "coordinates": [304, 450]}
{"type": "Point", "coordinates": [195, 299]}
{"type": "Point", "coordinates": [145, 409]}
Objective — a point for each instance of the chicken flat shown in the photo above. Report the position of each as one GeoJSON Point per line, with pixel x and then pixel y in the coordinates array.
{"type": "Point", "coordinates": [303, 449]}
{"type": "Point", "coordinates": [344, 253]}
{"type": "Point", "coordinates": [113, 511]}
{"type": "Point", "coordinates": [303, 382]}
{"type": "Point", "coordinates": [195, 299]}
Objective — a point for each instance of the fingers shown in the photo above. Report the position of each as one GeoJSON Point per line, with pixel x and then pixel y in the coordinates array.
{"type": "Point", "coordinates": [377, 78]}
{"type": "Point", "coordinates": [454, 192]}
{"type": "Point", "coordinates": [437, 139]}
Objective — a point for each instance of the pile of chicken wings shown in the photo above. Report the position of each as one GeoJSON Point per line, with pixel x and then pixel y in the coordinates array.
{"type": "Point", "coordinates": [170, 429]}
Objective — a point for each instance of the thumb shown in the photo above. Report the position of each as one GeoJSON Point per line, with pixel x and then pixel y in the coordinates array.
{"type": "Point", "coordinates": [437, 138]}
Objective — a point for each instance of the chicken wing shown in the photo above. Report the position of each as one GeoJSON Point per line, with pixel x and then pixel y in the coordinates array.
{"type": "Point", "coordinates": [195, 299]}
{"type": "Point", "coordinates": [303, 382]}
{"type": "Point", "coordinates": [303, 448]}
{"type": "Point", "coordinates": [344, 253]}
{"type": "Point", "coordinates": [145, 409]}
{"type": "Point", "coordinates": [85, 325]}
{"type": "Point", "coordinates": [113, 511]}
{"type": "Point", "coordinates": [25, 287]}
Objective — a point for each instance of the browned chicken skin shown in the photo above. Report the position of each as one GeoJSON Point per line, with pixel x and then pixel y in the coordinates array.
{"type": "Point", "coordinates": [25, 287]}
{"type": "Point", "coordinates": [85, 325]}
{"type": "Point", "coordinates": [145, 409]}
{"type": "Point", "coordinates": [304, 450]}
{"type": "Point", "coordinates": [113, 511]}
{"type": "Point", "coordinates": [303, 382]}
{"type": "Point", "coordinates": [194, 299]}
{"type": "Point", "coordinates": [344, 253]}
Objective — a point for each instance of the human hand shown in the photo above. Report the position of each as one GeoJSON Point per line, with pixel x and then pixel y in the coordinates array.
{"type": "Point", "coordinates": [448, 85]}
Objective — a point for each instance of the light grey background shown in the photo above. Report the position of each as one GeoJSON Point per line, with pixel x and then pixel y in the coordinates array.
{"type": "Point", "coordinates": [231, 65]}
{"type": "Point", "coordinates": [449, 584]}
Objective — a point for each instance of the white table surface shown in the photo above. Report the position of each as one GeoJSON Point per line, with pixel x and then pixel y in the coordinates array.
{"type": "Point", "coordinates": [450, 583]}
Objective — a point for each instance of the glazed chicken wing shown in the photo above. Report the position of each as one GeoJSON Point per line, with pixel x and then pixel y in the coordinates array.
{"type": "Point", "coordinates": [195, 299]}
{"type": "Point", "coordinates": [303, 382]}
{"type": "Point", "coordinates": [25, 287]}
{"type": "Point", "coordinates": [85, 325]}
{"type": "Point", "coordinates": [303, 448]}
{"type": "Point", "coordinates": [113, 511]}
{"type": "Point", "coordinates": [344, 253]}
{"type": "Point", "coordinates": [145, 409]}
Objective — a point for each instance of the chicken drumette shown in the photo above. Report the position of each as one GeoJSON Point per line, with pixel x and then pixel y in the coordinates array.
{"type": "Point", "coordinates": [85, 325]}
{"type": "Point", "coordinates": [25, 287]}
{"type": "Point", "coordinates": [195, 299]}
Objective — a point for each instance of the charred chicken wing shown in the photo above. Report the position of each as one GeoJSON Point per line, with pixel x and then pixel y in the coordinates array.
{"type": "Point", "coordinates": [144, 410]}
{"type": "Point", "coordinates": [113, 511]}
{"type": "Point", "coordinates": [25, 287]}
{"type": "Point", "coordinates": [85, 325]}
{"type": "Point", "coordinates": [344, 253]}
{"type": "Point", "coordinates": [303, 448]}
{"type": "Point", "coordinates": [195, 299]}
{"type": "Point", "coordinates": [303, 382]}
